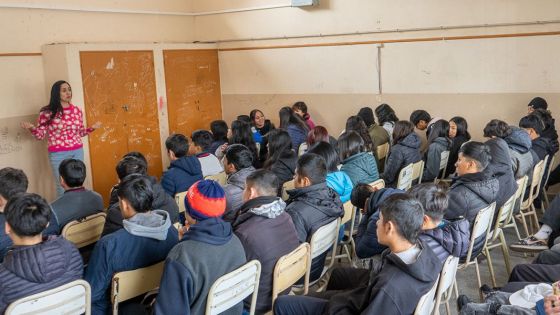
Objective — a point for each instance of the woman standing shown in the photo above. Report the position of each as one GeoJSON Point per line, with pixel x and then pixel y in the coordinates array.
{"type": "Point", "coordinates": [63, 124]}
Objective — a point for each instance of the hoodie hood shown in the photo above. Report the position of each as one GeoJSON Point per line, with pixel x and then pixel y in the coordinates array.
{"type": "Point", "coordinates": [422, 269]}
{"type": "Point", "coordinates": [238, 178]}
{"type": "Point", "coordinates": [40, 263]}
{"type": "Point", "coordinates": [542, 144]}
{"type": "Point", "coordinates": [518, 140]}
{"type": "Point", "coordinates": [377, 198]}
{"type": "Point", "coordinates": [154, 224]}
{"type": "Point", "coordinates": [481, 184]}
{"type": "Point", "coordinates": [411, 141]}
{"type": "Point", "coordinates": [341, 183]}
{"type": "Point", "coordinates": [189, 164]}
{"type": "Point", "coordinates": [442, 141]}
{"type": "Point", "coordinates": [453, 237]}
{"type": "Point", "coordinates": [268, 207]}
{"type": "Point", "coordinates": [320, 197]}
{"type": "Point", "coordinates": [214, 231]}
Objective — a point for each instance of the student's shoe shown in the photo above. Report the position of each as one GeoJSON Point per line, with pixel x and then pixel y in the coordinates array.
{"type": "Point", "coordinates": [530, 244]}
{"type": "Point", "coordinates": [462, 300]}
{"type": "Point", "coordinates": [486, 290]}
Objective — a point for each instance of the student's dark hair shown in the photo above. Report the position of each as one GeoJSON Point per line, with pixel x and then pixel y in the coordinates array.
{"type": "Point", "coordinates": [497, 128]}
{"type": "Point", "coordinates": [131, 165]}
{"type": "Point", "coordinates": [244, 118]}
{"type": "Point", "coordinates": [54, 106]}
{"type": "Point", "coordinates": [241, 134]}
{"type": "Point", "coordinates": [288, 117]}
{"type": "Point", "coordinates": [532, 121]}
{"type": "Point", "coordinates": [265, 181]}
{"type": "Point", "coordinates": [545, 116]}
{"type": "Point", "coordinates": [178, 144]}
{"type": "Point", "coordinates": [202, 138]}
{"type": "Point", "coordinates": [300, 106]}
{"type": "Point", "coordinates": [312, 166]}
{"type": "Point", "coordinates": [253, 114]}
{"type": "Point", "coordinates": [27, 214]}
{"type": "Point", "coordinates": [356, 123]}
{"type": "Point", "coordinates": [219, 130]}
{"type": "Point", "coordinates": [360, 193]}
{"type": "Point", "coordinates": [538, 103]}
{"type": "Point", "coordinates": [367, 115]}
{"type": "Point", "coordinates": [439, 129]}
{"type": "Point", "coordinates": [462, 127]}
{"type": "Point", "coordinates": [433, 198]}
{"type": "Point", "coordinates": [138, 191]}
{"type": "Point", "coordinates": [419, 115]}
{"type": "Point", "coordinates": [328, 152]}
{"type": "Point", "coordinates": [279, 145]}
{"type": "Point", "coordinates": [317, 134]}
{"type": "Point", "coordinates": [138, 155]}
{"type": "Point", "coordinates": [402, 129]}
{"type": "Point", "coordinates": [73, 171]}
{"type": "Point", "coordinates": [12, 181]}
{"type": "Point", "coordinates": [385, 114]}
{"type": "Point", "coordinates": [478, 152]}
{"type": "Point", "coordinates": [240, 156]}
{"type": "Point", "coordinates": [349, 144]}
{"type": "Point", "coordinates": [406, 213]}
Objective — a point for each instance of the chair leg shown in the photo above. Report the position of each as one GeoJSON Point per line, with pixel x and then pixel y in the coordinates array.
{"type": "Point", "coordinates": [490, 267]}
{"type": "Point", "coordinates": [478, 278]}
{"type": "Point", "coordinates": [447, 308]}
{"type": "Point", "coordinates": [522, 215]}
{"type": "Point", "coordinates": [456, 289]}
{"type": "Point", "coordinates": [516, 229]}
{"type": "Point", "coordinates": [505, 251]}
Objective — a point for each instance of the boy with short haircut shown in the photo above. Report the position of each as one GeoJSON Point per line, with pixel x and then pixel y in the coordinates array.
{"type": "Point", "coordinates": [409, 270]}
{"type": "Point", "coordinates": [35, 264]}
{"type": "Point", "coordinates": [265, 230]}
{"type": "Point", "coordinates": [238, 164]}
{"type": "Point", "coordinates": [12, 181]}
{"type": "Point", "coordinates": [184, 170]}
{"type": "Point", "coordinates": [77, 202]}
{"type": "Point", "coordinates": [209, 163]}
{"type": "Point", "coordinates": [541, 147]}
{"type": "Point", "coordinates": [146, 239]}
{"type": "Point", "coordinates": [207, 250]}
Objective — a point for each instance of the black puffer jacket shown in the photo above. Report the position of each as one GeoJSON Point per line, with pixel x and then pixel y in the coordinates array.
{"type": "Point", "coordinates": [433, 158]}
{"type": "Point", "coordinates": [403, 153]}
{"type": "Point", "coordinates": [519, 144]}
{"type": "Point", "coordinates": [32, 269]}
{"type": "Point", "coordinates": [469, 194]}
{"type": "Point", "coordinates": [551, 134]}
{"type": "Point", "coordinates": [450, 238]}
{"type": "Point", "coordinates": [284, 168]}
{"type": "Point", "coordinates": [501, 168]}
{"type": "Point", "coordinates": [542, 147]}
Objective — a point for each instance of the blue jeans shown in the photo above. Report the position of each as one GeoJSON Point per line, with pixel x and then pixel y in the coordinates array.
{"type": "Point", "coordinates": [56, 158]}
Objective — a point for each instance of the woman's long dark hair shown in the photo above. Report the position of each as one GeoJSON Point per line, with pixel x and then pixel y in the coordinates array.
{"type": "Point", "coordinates": [54, 106]}
{"type": "Point", "coordinates": [462, 127]}
{"type": "Point", "coordinates": [385, 114]}
{"type": "Point", "coordinates": [288, 117]}
{"type": "Point", "coordinates": [279, 145]}
{"type": "Point", "coordinates": [439, 129]}
{"type": "Point", "coordinates": [357, 124]}
{"type": "Point", "coordinates": [328, 152]}
{"type": "Point", "coordinates": [349, 144]}
{"type": "Point", "coordinates": [402, 129]}
{"type": "Point", "coordinates": [241, 134]}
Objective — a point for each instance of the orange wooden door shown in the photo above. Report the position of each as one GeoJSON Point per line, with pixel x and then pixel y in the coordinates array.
{"type": "Point", "coordinates": [120, 92]}
{"type": "Point", "coordinates": [192, 79]}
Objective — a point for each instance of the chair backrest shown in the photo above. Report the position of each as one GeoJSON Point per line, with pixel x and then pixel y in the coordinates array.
{"type": "Point", "coordinates": [73, 298]}
{"type": "Point", "coordinates": [382, 151]}
{"type": "Point", "coordinates": [129, 284]}
{"type": "Point", "coordinates": [405, 177]}
{"type": "Point", "coordinates": [221, 178]}
{"type": "Point", "coordinates": [349, 212]}
{"type": "Point", "coordinates": [231, 288]}
{"type": "Point", "coordinates": [444, 158]}
{"type": "Point", "coordinates": [481, 226]}
{"type": "Point", "coordinates": [446, 278]}
{"type": "Point", "coordinates": [324, 238]}
{"type": "Point", "coordinates": [180, 200]}
{"type": "Point", "coordinates": [290, 268]}
{"type": "Point", "coordinates": [504, 216]}
{"type": "Point", "coordinates": [302, 149]}
{"type": "Point", "coordinates": [426, 303]}
{"type": "Point", "coordinates": [378, 184]}
{"type": "Point", "coordinates": [287, 186]}
{"type": "Point", "coordinates": [418, 169]}
{"type": "Point", "coordinates": [521, 185]}
{"type": "Point", "coordinates": [85, 231]}
{"type": "Point", "coordinates": [538, 171]}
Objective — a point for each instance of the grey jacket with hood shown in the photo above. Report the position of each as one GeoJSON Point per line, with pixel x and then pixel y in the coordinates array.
{"type": "Point", "coordinates": [519, 144]}
{"type": "Point", "coordinates": [433, 158]}
{"type": "Point", "coordinates": [234, 192]}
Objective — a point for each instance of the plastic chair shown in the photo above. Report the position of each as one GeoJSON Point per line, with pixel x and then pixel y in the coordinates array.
{"type": "Point", "coordinates": [382, 151]}
{"type": "Point", "coordinates": [445, 284]}
{"type": "Point", "coordinates": [73, 298]}
{"type": "Point", "coordinates": [405, 177]}
{"type": "Point", "coordinates": [418, 169]}
{"type": "Point", "coordinates": [126, 285]}
{"type": "Point", "coordinates": [426, 303]}
{"type": "Point", "coordinates": [519, 194]}
{"type": "Point", "coordinates": [85, 231]}
{"type": "Point", "coordinates": [232, 288]}
{"type": "Point", "coordinates": [323, 240]}
{"type": "Point", "coordinates": [290, 268]}
{"type": "Point", "coordinates": [180, 200]}
{"type": "Point", "coordinates": [527, 207]}
{"type": "Point", "coordinates": [302, 149]}
{"type": "Point", "coordinates": [349, 217]}
{"type": "Point", "coordinates": [379, 184]}
{"type": "Point", "coordinates": [287, 186]}
{"type": "Point", "coordinates": [444, 158]}
{"type": "Point", "coordinates": [221, 178]}
{"type": "Point", "coordinates": [481, 228]}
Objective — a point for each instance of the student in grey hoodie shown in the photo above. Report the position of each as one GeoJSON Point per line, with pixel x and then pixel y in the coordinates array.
{"type": "Point", "coordinates": [238, 164]}
{"type": "Point", "coordinates": [146, 239]}
{"type": "Point", "coordinates": [438, 141]}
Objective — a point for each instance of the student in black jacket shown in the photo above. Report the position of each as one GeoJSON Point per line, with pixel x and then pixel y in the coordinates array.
{"type": "Point", "coordinates": [409, 270]}
{"type": "Point", "coordinates": [12, 182]}
{"type": "Point", "coordinates": [281, 158]}
{"type": "Point", "coordinates": [404, 150]}
{"type": "Point", "coordinates": [438, 142]}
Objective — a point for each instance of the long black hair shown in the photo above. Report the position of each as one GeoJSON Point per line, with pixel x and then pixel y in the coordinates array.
{"type": "Point", "coordinates": [288, 117]}
{"type": "Point", "coordinates": [357, 124]}
{"type": "Point", "coordinates": [241, 134]}
{"type": "Point", "coordinates": [462, 127]}
{"type": "Point", "coordinates": [328, 152]}
{"type": "Point", "coordinates": [54, 106]}
{"type": "Point", "coordinates": [439, 129]}
{"type": "Point", "coordinates": [279, 145]}
{"type": "Point", "coordinates": [385, 114]}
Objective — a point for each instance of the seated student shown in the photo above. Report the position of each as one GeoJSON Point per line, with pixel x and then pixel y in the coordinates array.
{"type": "Point", "coordinates": [500, 165]}
{"type": "Point", "coordinates": [77, 202]}
{"type": "Point", "coordinates": [183, 170]}
{"type": "Point", "coordinates": [387, 118]}
{"type": "Point", "coordinates": [438, 141]}
{"type": "Point", "coordinates": [377, 133]}
{"type": "Point", "coordinates": [404, 151]}
{"type": "Point", "coordinates": [238, 164]}
{"type": "Point", "coordinates": [265, 230]}
{"type": "Point", "coordinates": [294, 125]}
{"type": "Point", "coordinates": [336, 180]}
{"type": "Point", "coordinates": [359, 165]}
{"type": "Point", "coordinates": [281, 159]}
{"type": "Point", "coordinates": [300, 108]}
{"type": "Point", "coordinates": [219, 129]}
{"type": "Point", "coordinates": [256, 134]}
{"type": "Point", "coordinates": [519, 144]}
{"type": "Point", "coordinates": [312, 204]}
{"type": "Point", "coordinates": [408, 271]}
{"type": "Point", "coordinates": [12, 181]}
{"type": "Point", "coordinates": [541, 146]}
{"type": "Point", "coordinates": [458, 134]}
{"type": "Point", "coordinates": [420, 119]}
{"type": "Point", "coordinates": [356, 123]}
{"type": "Point", "coordinates": [473, 189]}
{"type": "Point", "coordinates": [209, 163]}
{"type": "Point", "coordinates": [207, 250]}
{"type": "Point", "coordinates": [241, 134]}
{"type": "Point", "coordinates": [263, 126]}
{"type": "Point", "coordinates": [146, 238]}
{"type": "Point", "coordinates": [319, 134]}
{"type": "Point", "coordinates": [549, 129]}
{"type": "Point", "coordinates": [35, 264]}
{"type": "Point", "coordinates": [161, 200]}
